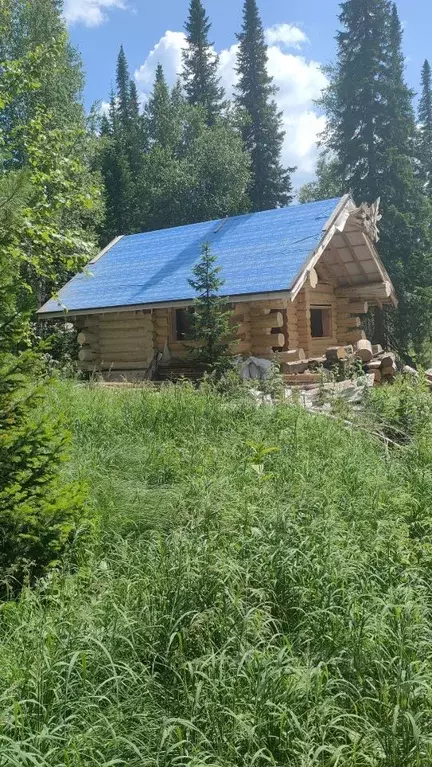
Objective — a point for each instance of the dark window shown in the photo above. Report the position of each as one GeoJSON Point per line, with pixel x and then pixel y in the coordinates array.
{"type": "Point", "coordinates": [321, 323]}
{"type": "Point", "coordinates": [182, 323]}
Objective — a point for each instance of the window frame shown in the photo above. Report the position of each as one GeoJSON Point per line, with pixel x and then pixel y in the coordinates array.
{"type": "Point", "coordinates": [327, 320]}
{"type": "Point", "coordinates": [174, 332]}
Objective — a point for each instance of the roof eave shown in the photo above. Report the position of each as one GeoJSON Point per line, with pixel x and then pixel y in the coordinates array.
{"type": "Point", "coordinates": [238, 299]}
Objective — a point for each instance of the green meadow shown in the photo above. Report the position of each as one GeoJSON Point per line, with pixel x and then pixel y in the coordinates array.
{"type": "Point", "coordinates": [251, 586]}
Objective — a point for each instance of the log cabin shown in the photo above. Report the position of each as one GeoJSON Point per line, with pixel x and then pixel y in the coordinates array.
{"type": "Point", "coordinates": [299, 280]}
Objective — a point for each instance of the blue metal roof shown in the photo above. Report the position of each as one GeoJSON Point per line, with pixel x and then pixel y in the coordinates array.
{"type": "Point", "coordinates": [258, 253]}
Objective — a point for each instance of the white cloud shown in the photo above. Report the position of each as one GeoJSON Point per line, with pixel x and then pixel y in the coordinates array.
{"type": "Point", "coordinates": [299, 80]}
{"type": "Point", "coordinates": [286, 34]}
{"type": "Point", "coordinates": [91, 13]}
{"type": "Point", "coordinates": [168, 52]}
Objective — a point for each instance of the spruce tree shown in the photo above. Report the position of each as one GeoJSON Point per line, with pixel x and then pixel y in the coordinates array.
{"type": "Point", "coordinates": [210, 321]}
{"type": "Point", "coordinates": [262, 131]}
{"type": "Point", "coordinates": [424, 138]}
{"type": "Point", "coordinates": [370, 140]}
{"type": "Point", "coordinates": [121, 157]}
{"type": "Point", "coordinates": [200, 64]}
{"type": "Point", "coordinates": [40, 513]}
{"type": "Point", "coordinates": [161, 112]}
{"type": "Point", "coordinates": [123, 88]}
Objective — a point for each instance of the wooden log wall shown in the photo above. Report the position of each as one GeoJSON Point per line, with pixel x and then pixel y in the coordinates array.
{"type": "Point", "coordinates": [116, 341]}
{"type": "Point", "coordinates": [161, 328]}
{"type": "Point", "coordinates": [349, 318]}
{"type": "Point", "coordinates": [268, 328]}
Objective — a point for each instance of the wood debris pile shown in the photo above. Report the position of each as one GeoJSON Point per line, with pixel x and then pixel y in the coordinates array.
{"type": "Point", "coordinates": [343, 361]}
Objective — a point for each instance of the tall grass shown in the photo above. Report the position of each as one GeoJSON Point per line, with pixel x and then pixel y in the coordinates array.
{"type": "Point", "coordinates": [235, 605]}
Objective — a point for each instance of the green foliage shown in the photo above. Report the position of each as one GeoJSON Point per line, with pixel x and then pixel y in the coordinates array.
{"type": "Point", "coordinates": [262, 129]}
{"type": "Point", "coordinates": [327, 184]}
{"type": "Point", "coordinates": [227, 615]}
{"type": "Point", "coordinates": [43, 131]}
{"type": "Point", "coordinates": [403, 410]}
{"type": "Point", "coordinates": [370, 146]}
{"type": "Point", "coordinates": [39, 511]}
{"type": "Point", "coordinates": [210, 321]}
{"type": "Point", "coordinates": [200, 64]}
{"type": "Point", "coordinates": [424, 130]}
{"type": "Point", "coordinates": [186, 169]}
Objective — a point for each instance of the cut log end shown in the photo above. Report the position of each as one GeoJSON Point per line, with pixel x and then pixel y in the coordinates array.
{"type": "Point", "coordinates": [335, 353]}
{"type": "Point", "coordinates": [364, 350]}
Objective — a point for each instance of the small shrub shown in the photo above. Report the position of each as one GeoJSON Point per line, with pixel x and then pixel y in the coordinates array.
{"type": "Point", "coordinates": [402, 410]}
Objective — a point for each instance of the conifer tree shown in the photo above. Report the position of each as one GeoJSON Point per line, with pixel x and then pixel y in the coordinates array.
{"type": "Point", "coordinates": [200, 64]}
{"type": "Point", "coordinates": [370, 140]}
{"type": "Point", "coordinates": [160, 112]}
{"type": "Point", "coordinates": [210, 321]}
{"type": "Point", "coordinates": [123, 144]}
{"type": "Point", "coordinates": [424, 139]}
{"type": "Point", "coordinates": [262, 132]}
{"type": "Point", "coordinates": [39, 512]}
{"type": "Point", "coordinates": [123, 88]}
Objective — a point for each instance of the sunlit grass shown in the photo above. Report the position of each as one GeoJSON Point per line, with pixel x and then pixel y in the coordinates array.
{"type": "Point", "coordinates": [237, 606]}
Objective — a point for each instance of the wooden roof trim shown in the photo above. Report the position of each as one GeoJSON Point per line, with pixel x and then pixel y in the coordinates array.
{"type": "Point", "coordinates": [336, 223]}
{"type": "Point", "coordinates": [270, 296]}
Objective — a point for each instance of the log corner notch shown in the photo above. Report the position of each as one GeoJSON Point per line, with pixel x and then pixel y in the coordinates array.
{"type": "Point", "coordinates": [348, 255]}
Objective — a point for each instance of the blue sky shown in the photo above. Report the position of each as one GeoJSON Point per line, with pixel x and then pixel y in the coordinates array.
{"type": "Point", "coordinates": [300, 36]}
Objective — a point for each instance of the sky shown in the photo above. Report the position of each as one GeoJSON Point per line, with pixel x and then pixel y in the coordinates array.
{"type": "Point", "coordinates": [300, 35]}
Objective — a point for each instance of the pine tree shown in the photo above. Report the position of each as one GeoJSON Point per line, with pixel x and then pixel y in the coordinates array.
{"type": "Point", "coordinates": [262, 132]}
{"type": "Point", "coordinates": [200, 64]}
{"type": "Point", "coordinates": [210, 321]}
{"type": "Point", "coordinates": [424, 138]}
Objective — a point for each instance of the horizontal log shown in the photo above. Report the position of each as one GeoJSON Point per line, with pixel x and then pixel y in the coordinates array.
{"type": "Point", "coordinates": [294, 367]}
{"type": "Point", "coordinates": [359, 307]}
{"type": "Point", "coordinates": [293, 355]}
{"type": "Point", "coordinates": [242, 347]}
{"type": "Point", "coordinates": [352, 336]}
{"type": "Point", "coordinates": [271, 340]}
{"type": "Point", "coordinates": [348, 321]}
{"type": "Point", "coordinates": [377, 349]}
{"type": "Point", "coordinates": [126, 348]}
{"type": "Point", "coordinates": [86, 337]}
{"type": "Point", "coordinates": [123, 327]}
{"type": "Point", "coordinates": [374, 364]}
{"type": "Point", "coordinates": [258, 310]}
{"type": "Point", "coordinates": [272, 320]}
{"type": "Point", "coordinates": [86, 354]}
{"type": "Point", "coordinates": [389, 371]}
{"type": "Point", "coordinates": [125, 365]}
{"type": "Point", "coordinates": [368, 290]}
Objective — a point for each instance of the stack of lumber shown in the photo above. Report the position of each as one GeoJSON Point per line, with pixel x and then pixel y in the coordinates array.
{"type": "Point", "coordinates": [299, 371]}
